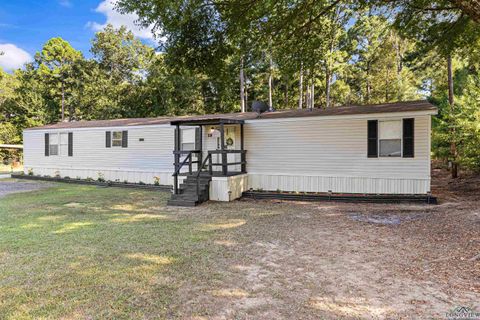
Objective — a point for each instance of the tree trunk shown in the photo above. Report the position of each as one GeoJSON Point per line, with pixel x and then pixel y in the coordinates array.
{"type": "Point", "coordinates": [369, 88]}
{"type": "Point", "coordinates": [307, 95]}
{"type": "Point", "coordinates": [286, 93]}
{"type": "Point", "coordinates": [399, 58]}
{"type": "Point", "coordinates": [387, 83]}
{"type": "Point", "coordinates": [328, 85]}
{"type": "Point", "coordinates": [270, 84]}
{"type": "Point", "coordinates": [242, 86]}
{"type": "Point", "coordinates": [451, 100]}
{"type": "Point", "coordinates": [63, 101]}
{"type": "Point", "coordinates": [246, 94]}
{"type": "Point", "coordinates": [328, 70]}
{"type": "Point", "coordinates": [300, 88]}
{"type": "Point", "coordinates": [307, 91]}
{"type": "Point", "coordinates": [313, 94]}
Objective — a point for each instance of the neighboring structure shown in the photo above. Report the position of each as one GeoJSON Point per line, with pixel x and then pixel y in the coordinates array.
{"type": "Point", "coordinates": [376, 149]}
{"type": "Point", "coordinates": [11, 154]}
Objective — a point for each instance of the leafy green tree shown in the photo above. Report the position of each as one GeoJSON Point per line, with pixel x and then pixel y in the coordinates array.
{"type": "Point", "coordinates": [379, 73]}
{"type": "Point", "coordinates": [124, 57]}
{"type": "Point", "coordinates": [56, 64]}
{"type": "Point", "coordinates": [116, 74]}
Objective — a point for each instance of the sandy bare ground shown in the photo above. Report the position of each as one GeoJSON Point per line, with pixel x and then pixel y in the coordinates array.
{"type": "Point", "coordinates": [280, 260]}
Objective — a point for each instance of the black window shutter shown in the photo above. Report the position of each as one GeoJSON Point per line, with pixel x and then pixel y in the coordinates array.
{"type": "Point", "coordinates": [108, 139]}
{"type": "Point", "coordinates": [70, 144]}
{"type": "Point", "coordinates": [124, 139]}
{"type": "Point", "coordinates": [408, 138]}
{"type": "Point", "coordinates": [47, 144]}
{"type": "Point", "coordinates": [373, 138]}
{"type": "Point", "coordinates": [198, 138]}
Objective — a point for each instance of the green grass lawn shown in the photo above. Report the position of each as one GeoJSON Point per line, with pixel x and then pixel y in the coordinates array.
{"type": "Point", "coordinates": [87, 252]}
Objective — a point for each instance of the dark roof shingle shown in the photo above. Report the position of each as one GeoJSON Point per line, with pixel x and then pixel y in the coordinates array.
{"type": "Point", "coordinates": [291, 113]}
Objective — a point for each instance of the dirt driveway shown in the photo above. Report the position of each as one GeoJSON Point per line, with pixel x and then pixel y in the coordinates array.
{"type": "Point", "coordinates": [279, 260]}
{"type": "Point", "coordinates": [8, 186]}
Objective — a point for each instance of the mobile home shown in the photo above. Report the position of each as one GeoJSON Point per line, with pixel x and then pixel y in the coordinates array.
{"type": "Point", "coordinates": [372, 149]}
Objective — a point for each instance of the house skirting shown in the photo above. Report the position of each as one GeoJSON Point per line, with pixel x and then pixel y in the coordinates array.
{"type": "Point", "coordinates": [109, 174]}
{"type": "Point", "coordinates": [361, 185]}
{"type": "Point", "coordinates": [228, 188]}
{"type": "Point", "coordinates": [356, 198]}
{"type": "Point", "coordinates": [231, 188]}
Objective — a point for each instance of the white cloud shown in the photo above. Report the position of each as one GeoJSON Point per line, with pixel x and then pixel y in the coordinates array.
{"type": "Point", "coordinates": [117, 19]}
{"type": "Point", "coordinates": [65, 3]}
{"type": "Point", "coordinates": [13, 57]}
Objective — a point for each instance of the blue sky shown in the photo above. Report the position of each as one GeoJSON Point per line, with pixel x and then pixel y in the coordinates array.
{"type": "Point", "coordinates": [25, 25]}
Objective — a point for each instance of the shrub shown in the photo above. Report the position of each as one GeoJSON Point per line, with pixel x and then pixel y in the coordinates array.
{"type": "Point", "coordinates": [156, 181]}
{"type": "Point", "coordinates": [101, 177]}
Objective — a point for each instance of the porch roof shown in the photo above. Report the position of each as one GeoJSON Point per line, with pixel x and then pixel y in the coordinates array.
{"type": "Point", "coordinates": [212, 119]}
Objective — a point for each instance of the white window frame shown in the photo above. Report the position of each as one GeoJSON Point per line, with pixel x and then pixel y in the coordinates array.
{"type": "Point", "coordinates": [116, 139]}
{"type": "Point", "coordinates": [400, 138]}
{"type": "Point", "coordinates": [61, 147]}
{"type": "Point", "coordinates": [188, 145]}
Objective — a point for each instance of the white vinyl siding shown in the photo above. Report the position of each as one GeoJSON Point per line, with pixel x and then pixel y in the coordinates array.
{"type": "Point", "coordinates": [321, 155]}
{"type": "Point", "coordinates": [141, 161]}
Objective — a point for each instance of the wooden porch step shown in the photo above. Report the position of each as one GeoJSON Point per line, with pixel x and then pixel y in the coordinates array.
{"type": "Point", "coordinates": [181, 203]}
{"type": "Point", "coordinates": [187, 192]}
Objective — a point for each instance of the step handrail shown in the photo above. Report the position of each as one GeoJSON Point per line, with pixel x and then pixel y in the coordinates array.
{"type": "Point", "coordinates": [209, 158]}
{"type": "Point", "coordinates": [177, 171]}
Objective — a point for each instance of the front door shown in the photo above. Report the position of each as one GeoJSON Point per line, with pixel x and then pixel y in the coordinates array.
{"type": "Point", "coordinates": [231, 144]}
{"type": "Point", "coordinates": [212, 140]}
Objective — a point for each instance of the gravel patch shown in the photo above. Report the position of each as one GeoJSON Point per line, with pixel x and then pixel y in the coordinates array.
{"type": "Point", "coordinates": [14, 186]}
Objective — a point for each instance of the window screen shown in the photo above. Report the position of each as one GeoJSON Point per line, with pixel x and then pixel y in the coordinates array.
{"type": "Point", "coordinates": [188, 146]}
{"type": "Point", "coordinates": [390, 148]}
{"type": "Point", "coordinates": [188, 139]}
{"type": "Point", "coordinates": [53, 148]}
{"type": "Point", "coordinates": [390, 138]}
{"type": "Point", "coordinates": [116, 138]}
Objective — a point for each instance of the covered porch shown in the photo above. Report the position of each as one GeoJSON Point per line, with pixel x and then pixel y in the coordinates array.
{"type": "Point", "coordinates": [217, 150]}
